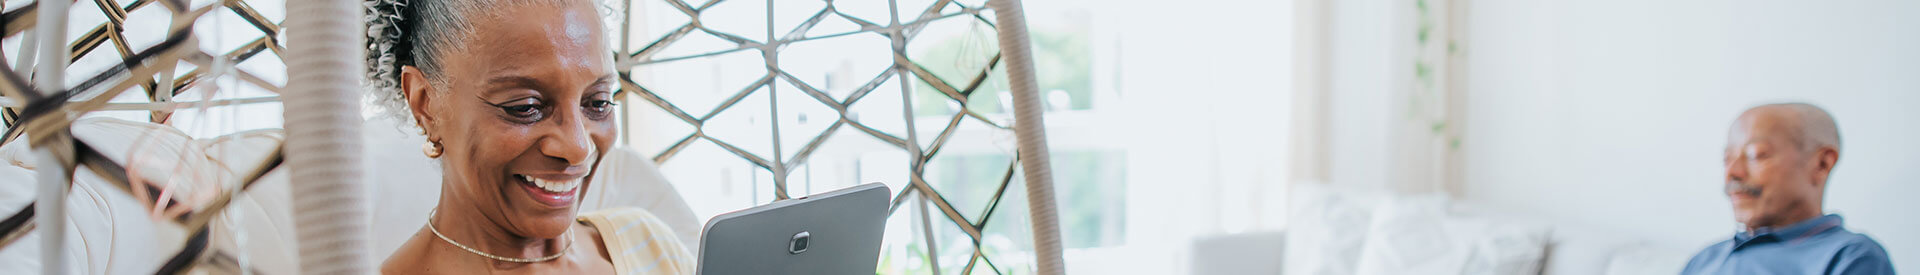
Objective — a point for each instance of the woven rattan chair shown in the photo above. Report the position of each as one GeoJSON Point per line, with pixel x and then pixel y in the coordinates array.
{"type": "Point", "coordinates": [322, 149]}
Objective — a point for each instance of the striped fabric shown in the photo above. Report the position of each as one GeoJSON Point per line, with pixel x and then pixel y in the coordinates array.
{"type": "Point", "coordinates": [639, 243]}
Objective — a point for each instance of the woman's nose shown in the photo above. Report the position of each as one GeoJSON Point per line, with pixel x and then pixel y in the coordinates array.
{"type": "Point", "coordinates": [570, 142]}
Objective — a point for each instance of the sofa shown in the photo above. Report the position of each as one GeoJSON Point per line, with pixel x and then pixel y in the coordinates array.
{"type": "Point", "coordinates": [1355, 231]}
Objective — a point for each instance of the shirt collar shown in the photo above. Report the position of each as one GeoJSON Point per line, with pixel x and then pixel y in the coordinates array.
{"type": "Point", "coordinates": [1793, 231]}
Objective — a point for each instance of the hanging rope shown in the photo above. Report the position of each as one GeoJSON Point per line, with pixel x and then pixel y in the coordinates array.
{"type": "Point", "coordinates": [1030, 128]}
{"type": "Point", "coordinates": [323, 136]}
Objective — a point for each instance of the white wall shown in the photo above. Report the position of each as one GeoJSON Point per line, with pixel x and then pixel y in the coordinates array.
{"type": "Point", "coordinates": [1613, 114]}
{"type": "Point", "coordinates": [1202, 107]}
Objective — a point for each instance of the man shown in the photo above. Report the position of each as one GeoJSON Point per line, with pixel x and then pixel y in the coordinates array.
{"type": "Point", "coordinates": [1778, 158]}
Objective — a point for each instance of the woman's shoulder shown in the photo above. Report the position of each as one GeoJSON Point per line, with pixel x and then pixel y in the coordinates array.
{"type": "Point", "coordinates": [623, 213]}
{"type": "Point", "coordinates": [635, 238]}
{"type": "Point", "coordinates": [628, 223]}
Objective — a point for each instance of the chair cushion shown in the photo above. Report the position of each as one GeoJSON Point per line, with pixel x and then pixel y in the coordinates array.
{"type": "Point", "coordinates": [109, 231]}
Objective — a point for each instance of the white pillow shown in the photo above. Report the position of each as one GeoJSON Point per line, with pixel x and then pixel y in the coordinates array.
{"type": "Point", "coordinates": [1418, 235]}
{"type": "Point", "coordinates": [1500, 248]}
{"type": "Point", "coordinates": [1328, 227]}
{"type": "Point", "coordinates": [1409, 235]}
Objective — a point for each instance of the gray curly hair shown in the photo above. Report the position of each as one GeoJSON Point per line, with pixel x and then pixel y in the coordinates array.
{"type": "Point", "coordinates": [418, 33]}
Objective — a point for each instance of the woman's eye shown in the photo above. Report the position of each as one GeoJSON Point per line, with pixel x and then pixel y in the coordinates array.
{"type": "Point", "coordinates": [598, 109]}
{"type": "Point", "coordinates": [599, 104]}
{"type": "Point", "coordinates": [525, 110]}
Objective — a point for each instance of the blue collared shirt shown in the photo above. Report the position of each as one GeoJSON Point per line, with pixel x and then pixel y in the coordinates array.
{"type": "Point", "coordinates": [1817, 246]}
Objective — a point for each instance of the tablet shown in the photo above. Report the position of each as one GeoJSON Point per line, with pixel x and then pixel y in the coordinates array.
{"type": "Point", "coordinates": [834, 233]}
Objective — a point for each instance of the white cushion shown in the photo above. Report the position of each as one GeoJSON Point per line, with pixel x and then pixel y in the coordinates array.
{"type": "Point", "coordinates": [1649, 259]}
{"type": "Point", "coordinates": [1245, 253]}
{"type": "Point", "coordinates": [1329, 225]}
{"type": "Point", "coordinates": [1506, 248]}
{"type": "Point", "coordinates": [259, 221]}
{"type": "Point", "coordinates": [1581, 251]}
{"type": "Point", "coordinates": [23, 256]}
{"type": "Point", "coordinates": [1409, 235]}
{"type": "Point", "coordinates": [1418, 235]}
{"type": "Point", "coordinates": [109, 231]}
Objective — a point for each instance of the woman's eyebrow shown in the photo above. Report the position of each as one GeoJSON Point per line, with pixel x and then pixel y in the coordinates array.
{"type": "Point", "coordinates": [513, 81]}
{"type": "Point", "coordinates": [604, 80]}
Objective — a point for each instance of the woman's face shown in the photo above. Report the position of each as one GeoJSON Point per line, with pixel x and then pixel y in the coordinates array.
{"type": "Point", "coordinates": [525, 114]}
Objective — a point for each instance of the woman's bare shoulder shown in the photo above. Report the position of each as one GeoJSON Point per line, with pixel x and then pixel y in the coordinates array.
{"type": "Point", "coordinates": [410, 258]}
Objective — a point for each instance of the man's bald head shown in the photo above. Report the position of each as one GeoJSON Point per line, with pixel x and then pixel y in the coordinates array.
{"type": "Point", "coordinates": [1807, 125]}
{"type": "Point", "coordinates": [1778, 158]}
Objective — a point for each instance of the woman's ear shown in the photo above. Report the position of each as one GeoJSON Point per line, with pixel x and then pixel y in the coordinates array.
{"type": "Point", "coordinates": [414, 86]}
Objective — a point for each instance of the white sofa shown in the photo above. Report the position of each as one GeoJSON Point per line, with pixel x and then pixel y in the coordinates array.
{"type": "Point", "coordinates": [1348, 231]}
{"type": "Point", "coordinates": [111, 233]}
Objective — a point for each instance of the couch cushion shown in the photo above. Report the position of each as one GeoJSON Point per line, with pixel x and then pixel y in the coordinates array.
{"type": "Point", "coordinates": [1248, 253]}
{"type": "Point", "coordinates": [1505, 247]}
{"type": "Point", "coordinates": [1328, 227]}
{"type": "Point", "coordinates": [1418, 235]}
{"type": "Point", "coordinates": [1410, 235]}
{"type": "Point", "coordinates": [1576, 250]}
{"type": "Point", "coordinates": [1649, 259]}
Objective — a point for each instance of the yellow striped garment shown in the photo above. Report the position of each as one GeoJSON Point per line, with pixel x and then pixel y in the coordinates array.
{"type": "Point", "coordinates": [639, 243]}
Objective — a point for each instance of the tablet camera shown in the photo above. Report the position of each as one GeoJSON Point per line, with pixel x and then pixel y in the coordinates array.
{"type": "Point", "coordinates": [799, 243]}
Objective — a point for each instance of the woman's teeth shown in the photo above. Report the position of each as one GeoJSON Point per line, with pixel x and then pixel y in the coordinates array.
{"type": "Point", "coordinates": [551, 186]}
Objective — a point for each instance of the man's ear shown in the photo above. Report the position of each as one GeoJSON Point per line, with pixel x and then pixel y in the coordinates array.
{"type": "Point", "coordinates": [414, 86]}
{"type": "Point", "coordinates": [1824, 159]}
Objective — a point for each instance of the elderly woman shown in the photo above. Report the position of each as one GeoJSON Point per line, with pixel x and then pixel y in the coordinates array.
{"type": "Point", "coordinates": [515, 100]}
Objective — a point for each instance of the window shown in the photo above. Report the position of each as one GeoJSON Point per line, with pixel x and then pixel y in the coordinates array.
{"type": "Point", "coordinates": [1159, 126]}
{"type": "Point", "coordinates": [211, 106]}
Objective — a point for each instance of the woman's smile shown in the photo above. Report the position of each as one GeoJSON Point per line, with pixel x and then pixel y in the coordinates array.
{"type": "Point", "coordinates": [556, 192]}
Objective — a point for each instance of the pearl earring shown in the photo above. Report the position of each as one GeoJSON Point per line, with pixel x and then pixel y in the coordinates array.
{"type": "Point", "coordinates": [431, 148]}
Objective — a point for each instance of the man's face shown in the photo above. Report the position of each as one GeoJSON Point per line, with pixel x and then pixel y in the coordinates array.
{"type": "Point", "coordinates": [1768, 171]}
